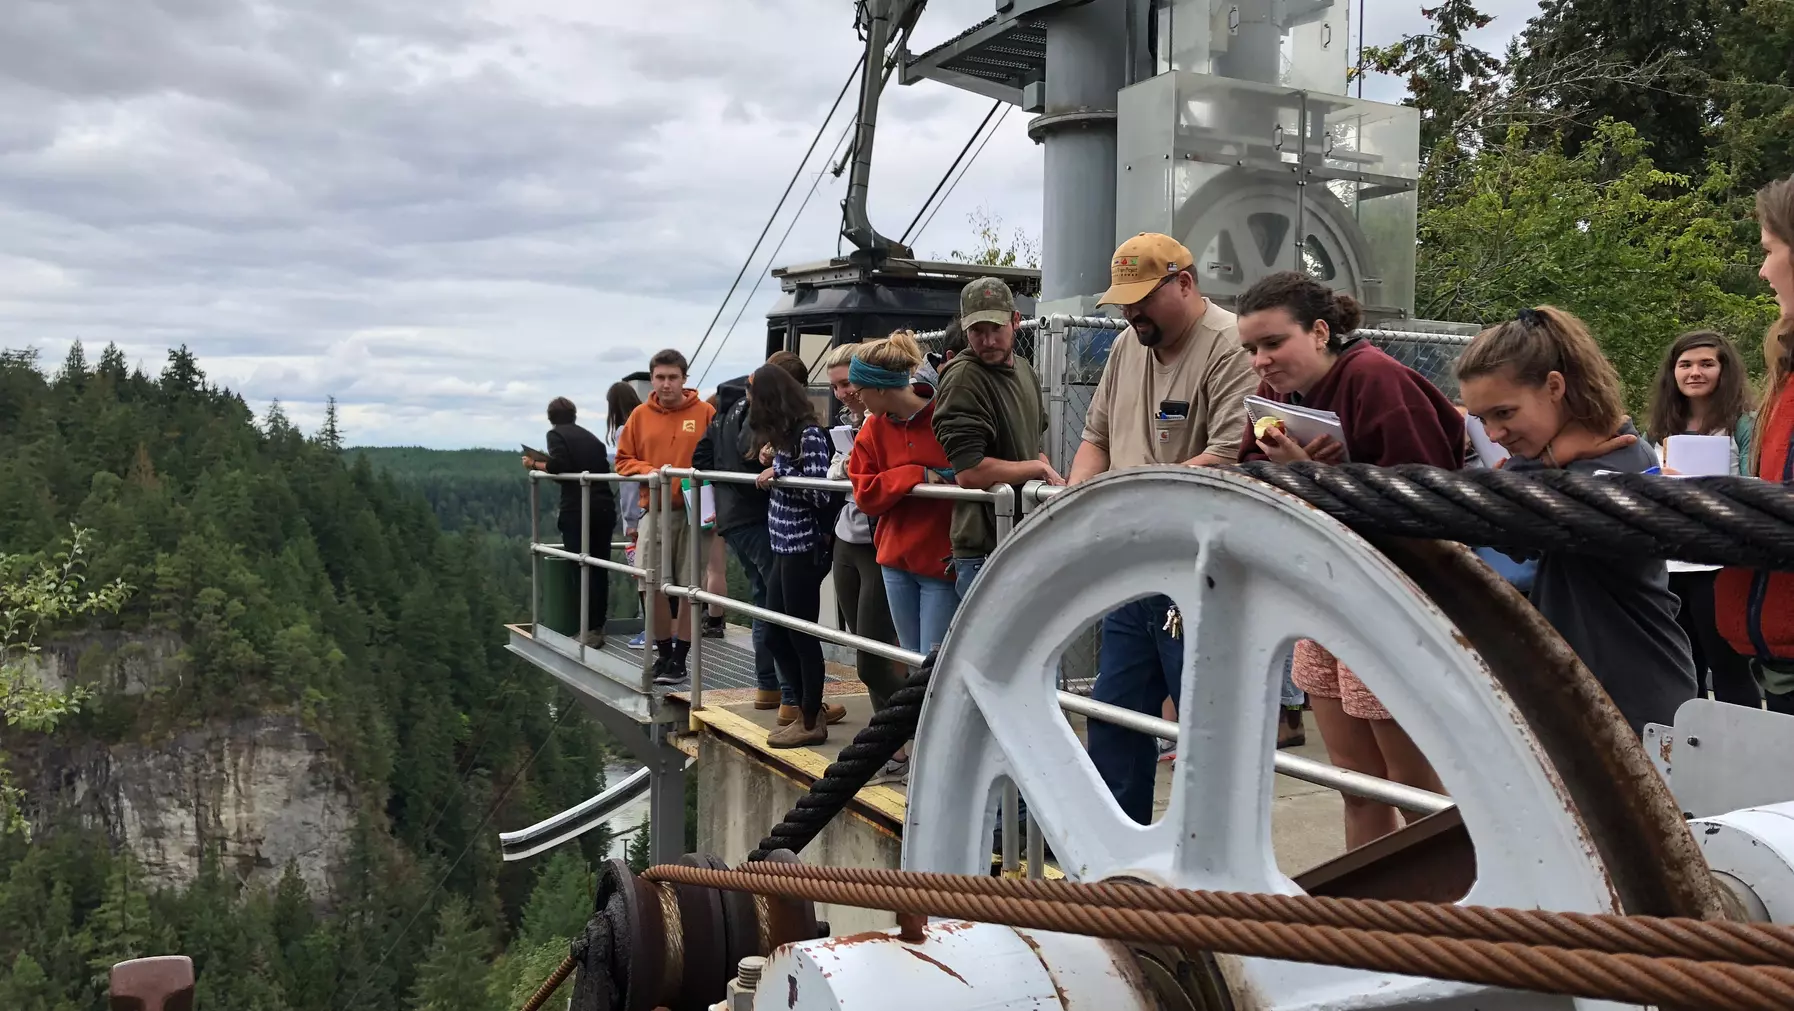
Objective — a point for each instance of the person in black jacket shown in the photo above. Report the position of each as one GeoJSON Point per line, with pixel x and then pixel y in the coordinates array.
{"type": "Point", "coordinates": [573, 450]}
{"type": "Point", "coordinates": [728, 444]}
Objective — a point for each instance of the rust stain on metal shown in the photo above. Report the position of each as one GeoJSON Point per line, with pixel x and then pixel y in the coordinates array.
{"type": "Point", "coordinates": [791, 991]}
{"type": "Point", "coordinates": [1666, 743]}
{"type": "Point", "coordinates": [909, 927]}
{"type": "Point", "coordinates": [938, 964]}
{"type": "Point", "coordinates": [850, 940]}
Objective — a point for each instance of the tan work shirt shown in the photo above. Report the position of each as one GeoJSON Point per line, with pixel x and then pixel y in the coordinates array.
{"type": "Point", "coordinates": [1211, 374]}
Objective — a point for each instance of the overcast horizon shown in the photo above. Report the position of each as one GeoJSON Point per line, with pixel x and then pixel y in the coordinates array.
{"type": "Point", "coordinates": [438, 213]}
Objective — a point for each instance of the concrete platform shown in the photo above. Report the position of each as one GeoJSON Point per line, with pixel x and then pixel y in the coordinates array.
{"type": "Point", "coordinates": [1307, 826]}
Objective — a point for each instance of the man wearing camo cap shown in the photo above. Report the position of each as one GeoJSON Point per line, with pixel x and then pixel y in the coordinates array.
{"type": "Point", "coordinates": [990, 418]}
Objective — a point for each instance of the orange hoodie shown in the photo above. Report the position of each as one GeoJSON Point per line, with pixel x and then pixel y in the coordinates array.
{"type": "Point", "coordinates": [656, 437]}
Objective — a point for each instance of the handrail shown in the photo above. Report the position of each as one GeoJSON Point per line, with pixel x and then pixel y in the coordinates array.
{"type": "Point", "coordinates": [573, 822]}
{"type": "Point", "coordinates": [940, 491]}
{"type": "Point", "coordinates": [1356, 784]}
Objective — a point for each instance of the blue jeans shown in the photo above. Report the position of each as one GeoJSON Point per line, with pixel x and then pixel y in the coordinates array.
{"type": "Point", "coordinates": [753, 546]}
{"type": "Point", "coordinates": [921, 608]}
{"type": "Point", "coordinates": [1139, 666]}
{"type": "Point", "coordinates": [1291, 696]}
{"type": "Point", "coordinates": [965, 571]}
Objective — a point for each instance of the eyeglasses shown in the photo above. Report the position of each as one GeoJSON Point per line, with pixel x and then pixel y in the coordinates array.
{"type": "Point", "coordinates": [1169, 278]}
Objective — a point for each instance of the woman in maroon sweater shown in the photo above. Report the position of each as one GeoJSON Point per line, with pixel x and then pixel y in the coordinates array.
{"type": "Point", "coordinates": [1298, 334]}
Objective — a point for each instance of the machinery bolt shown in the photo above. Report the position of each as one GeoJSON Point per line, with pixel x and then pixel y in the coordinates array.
{"type": "Point", "coordinates": [1693, 741]}
{"type": "Point", "coordinates": [909, 927]}
{"type": "Point", "coordinates": [749, 970]}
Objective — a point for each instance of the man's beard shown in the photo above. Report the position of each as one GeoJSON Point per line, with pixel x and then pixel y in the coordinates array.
{"type": "Point", "coordinates": [1149, 337]}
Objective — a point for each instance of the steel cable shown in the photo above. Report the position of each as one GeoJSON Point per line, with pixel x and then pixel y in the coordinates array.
{"type": "Point", "coordinates": [1673, 981]}
{"type": "Point", "coordinates": [1738, 521]}
{"type": "Point", "coordinates": [857, 763]}
{"type": "Point", "coordinates": [1723, 941]}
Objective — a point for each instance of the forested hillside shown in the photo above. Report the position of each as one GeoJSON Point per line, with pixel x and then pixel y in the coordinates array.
{"type": "Point", "coordinates": [469, 489]}
{"type": "Point", "coordinates": [301, 586]}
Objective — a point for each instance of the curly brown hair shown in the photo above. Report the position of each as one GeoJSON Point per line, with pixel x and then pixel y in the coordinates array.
{"type": "Point", "coordinates": [1307, 301]}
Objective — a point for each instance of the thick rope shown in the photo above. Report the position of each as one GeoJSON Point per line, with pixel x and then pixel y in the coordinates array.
{"type": "Point", "coordinates": [1711, 520]}
{"type": "Point", "coordinates": [857, 763]}
{"type": "Point", "coordinates": [1720, 941]}
{"type": "Point", "coordinates": [1598, 975]}
{"type": "Point", "coordinates": [553, 982]}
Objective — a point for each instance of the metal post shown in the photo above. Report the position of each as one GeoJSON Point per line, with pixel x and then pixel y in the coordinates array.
{"type": "Point", "coordinates": [1012, 845]}
{"type": "Point", "coordinates": [647, 555]}
{"type": "Point", "coordinates": [1086, 58]}
{"type": "Point", "coordinates": [1036, 849]}
{"type": "Point", "coordinates": [535, 562]}
{"type": "Point", "coordinates": [585, 551]}
{"type": "Point", "coordinates": [666, 803]}
{"type": "Point", "coordinates": [1005, 511]}
{"type": "Point", "coordinates": [694, 511]}
{"type": "Point", "coordinates": [1055, 333]}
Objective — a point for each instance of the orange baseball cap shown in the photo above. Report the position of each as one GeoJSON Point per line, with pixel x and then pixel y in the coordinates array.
{"type": "Point", "coordinates": [1141, 264]}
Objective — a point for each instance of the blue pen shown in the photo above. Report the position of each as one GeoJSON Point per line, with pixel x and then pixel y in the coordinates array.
{"type": "Point", "coordinates": [1653, 470]}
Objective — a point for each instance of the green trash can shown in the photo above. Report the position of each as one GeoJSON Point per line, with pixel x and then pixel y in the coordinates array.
{"type": "Point", "coordinates": [558, 586]}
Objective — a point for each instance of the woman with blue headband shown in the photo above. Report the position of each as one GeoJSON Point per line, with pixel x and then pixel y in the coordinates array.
{"type": "Point", "coordinates": [895, 451]}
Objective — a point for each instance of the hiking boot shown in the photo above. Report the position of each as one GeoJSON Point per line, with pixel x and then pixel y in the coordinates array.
{"type": "Point", "coordinates": [830, 714]}
{"type": "Point", "coordinates": [796, 735]}
{"type": "Point", "coordinates": [767, 698]}
{"type": "Point", "coordinates": [594, 640]}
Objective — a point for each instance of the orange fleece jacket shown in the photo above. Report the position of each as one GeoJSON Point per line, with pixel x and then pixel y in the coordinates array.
{"type": "Point", "coordinates": [656, 437]}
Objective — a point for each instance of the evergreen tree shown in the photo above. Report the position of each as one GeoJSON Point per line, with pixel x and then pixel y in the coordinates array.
{"type": "Point", "coordinates": [27, 988]}
{"type": "Point", "coordinates": [122, 927]}
{"type": "Point", "coordinates": [113, 366]}
{"type": "Point", "coordinates": [74, 367]}
{"type": "Point", "coordinates": [330, 436]}
{"type": "Point", "coordinates": [561, 902]}
{"type": "Point", "coordinates": [453, 975]}
{"type": "Point", "coordinates": [1455, 85]}
{"type": "Point", "coordinates": [638, 851]}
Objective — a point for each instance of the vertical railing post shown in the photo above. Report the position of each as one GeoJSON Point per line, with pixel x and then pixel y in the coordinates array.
{"type": "Point", "coordinates": [647, 555]}
{"type": "Point", "coordinates": [535, 560]}
{"type": "Point", "coordinates": [700, 556]}
{"type": "Point", "coordinates": [585, 555]}
{"type": "Point", "coordinates": [1004, 506]}
{"type": "Point", "coordinates": [1012, 844]}
{"type": "Point", "coordinates": [1036, 849]}
{"type": "Point", "coordinates": [1056, 335]}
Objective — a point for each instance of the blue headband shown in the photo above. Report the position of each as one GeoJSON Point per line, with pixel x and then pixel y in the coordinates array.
{"type": "Point", "coordinates": [863, 373]}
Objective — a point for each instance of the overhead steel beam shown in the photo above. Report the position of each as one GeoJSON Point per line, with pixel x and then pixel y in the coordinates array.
{"type": "Point", "coordinates": [575, 821]}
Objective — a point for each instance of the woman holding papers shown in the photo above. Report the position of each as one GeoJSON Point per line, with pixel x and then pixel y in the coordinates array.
{"type": "Point", "coordinates": [1544, 390]}
{"type": "Point", "coordinates": [1700, 427]}
{"type": "Point", "coordinates": [1327, 396]}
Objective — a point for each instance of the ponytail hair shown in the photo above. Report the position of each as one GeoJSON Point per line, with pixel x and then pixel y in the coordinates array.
{"type": "Point", "coordinates": [1307, 301]}
{"type": "Point", "coordinates": [897, 353]}
{"type": "Point", "coordinates": [1546, 340]}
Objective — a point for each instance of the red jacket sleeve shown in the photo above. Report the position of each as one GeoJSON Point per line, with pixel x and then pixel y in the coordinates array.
{"type": "Point", "coordinates": [876, 489]}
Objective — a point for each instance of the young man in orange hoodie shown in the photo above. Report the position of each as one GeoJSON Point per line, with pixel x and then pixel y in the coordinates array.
{"type": "Point", "coordinates": [662, 433]}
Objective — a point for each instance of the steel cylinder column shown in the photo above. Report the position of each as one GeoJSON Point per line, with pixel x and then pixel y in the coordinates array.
{"type": "Point", "coordinates": [1086, 58]}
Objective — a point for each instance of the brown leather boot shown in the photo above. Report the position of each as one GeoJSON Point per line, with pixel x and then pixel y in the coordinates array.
{"type": "Point", "coordinates": [796, 735]}
{"type": "Point", "coordinates": [766, 698]}
{"type": "Point", "coordinates": [830, 714]}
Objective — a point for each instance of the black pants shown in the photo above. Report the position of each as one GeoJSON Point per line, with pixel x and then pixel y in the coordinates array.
{"type": "Point", "coordinates": [860, 588]}
{"type": "Point", "coordinates": [1729, 674]}
{"type": "Point", "coordinates": [598, 595]}
{"type": "Point", "coordinates": [796, 590]}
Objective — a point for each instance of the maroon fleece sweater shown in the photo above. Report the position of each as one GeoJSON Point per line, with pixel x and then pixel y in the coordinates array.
{"type": "Point", "coordinates": [1390, 413]}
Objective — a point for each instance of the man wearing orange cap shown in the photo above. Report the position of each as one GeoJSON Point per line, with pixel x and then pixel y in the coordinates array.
{"type": "Point", "coordinates": [1173, 391]}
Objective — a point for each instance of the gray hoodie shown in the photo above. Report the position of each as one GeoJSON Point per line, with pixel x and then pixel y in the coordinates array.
{"type": "Point", "coordinates": [1619, 614]}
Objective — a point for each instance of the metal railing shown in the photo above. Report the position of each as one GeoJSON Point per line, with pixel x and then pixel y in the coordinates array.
{"type": "Point", "coordinates": [584, 558]}
{"type": "Point", "coordinates": [658, 570]}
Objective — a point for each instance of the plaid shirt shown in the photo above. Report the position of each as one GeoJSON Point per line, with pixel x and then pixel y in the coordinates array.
{"type": "Point", "coordinates": [792, 517]}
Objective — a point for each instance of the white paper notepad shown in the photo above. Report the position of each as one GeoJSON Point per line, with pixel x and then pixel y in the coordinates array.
{"type": "Point", "coordinates": [1698, 455]}
{"type": "Point", "coordinates": [1304, 424]}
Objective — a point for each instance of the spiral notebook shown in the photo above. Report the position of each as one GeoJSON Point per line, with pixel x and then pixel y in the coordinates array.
{"type": "Point", "coordinates": [1304, 424]}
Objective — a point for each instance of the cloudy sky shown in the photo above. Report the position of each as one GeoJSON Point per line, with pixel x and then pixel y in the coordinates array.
{"type": "Point", "coordinates": [444, 212]}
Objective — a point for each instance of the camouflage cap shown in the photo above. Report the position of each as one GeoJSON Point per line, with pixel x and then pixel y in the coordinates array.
{"type": "Point", "coordinates": [986, 300]}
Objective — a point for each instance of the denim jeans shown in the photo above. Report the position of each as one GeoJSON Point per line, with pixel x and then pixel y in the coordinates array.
{"type": "Point", "coordinates": [1291, 696]}
{"type": "Point", "coordinates": [921, 607]}
{"type": "Point", "coordinates": [965, 572]}
{"type": "Point", "coordinates": [753, 546]}
{"type": "Point", "coordinates": [1139, 666]}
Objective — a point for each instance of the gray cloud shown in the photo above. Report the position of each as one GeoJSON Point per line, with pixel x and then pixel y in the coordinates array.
{"type": "Point", "coordinates": [440, 213]}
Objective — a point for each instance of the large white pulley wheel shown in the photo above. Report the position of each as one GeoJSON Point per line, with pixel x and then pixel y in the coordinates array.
{"type": "Point", "coordinates": [1242, 227]}
{"type": "Point", "coordinates": [1252, 571]}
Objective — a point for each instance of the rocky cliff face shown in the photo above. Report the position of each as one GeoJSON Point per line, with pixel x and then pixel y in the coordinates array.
{"type": "Point", "coordinates": [263, 789]}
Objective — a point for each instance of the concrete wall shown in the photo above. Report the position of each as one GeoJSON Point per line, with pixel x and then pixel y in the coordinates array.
{"type": "Point", "coordinates": [739, 798]}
